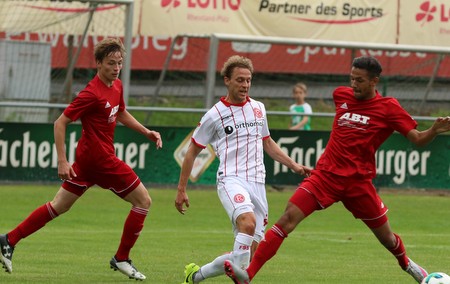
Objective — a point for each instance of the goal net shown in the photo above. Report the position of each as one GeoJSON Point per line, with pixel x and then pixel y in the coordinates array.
{"type": "Point", "coordinates": [46, 46]}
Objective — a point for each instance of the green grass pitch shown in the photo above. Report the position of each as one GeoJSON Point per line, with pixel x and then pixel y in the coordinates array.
{"type": "Point", "coordinates": [328, 247]}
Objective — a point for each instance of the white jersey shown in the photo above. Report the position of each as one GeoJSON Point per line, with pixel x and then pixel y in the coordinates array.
{"type": "Point", "coordinates": [236, 133]}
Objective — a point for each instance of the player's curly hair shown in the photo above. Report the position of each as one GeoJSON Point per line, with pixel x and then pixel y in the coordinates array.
{"type": "Point", "coordinates": [368, 63]}
{"type": "Point", "coordinates": [233, 62]}
{"type": "Point", "coordinates": [106, 47]}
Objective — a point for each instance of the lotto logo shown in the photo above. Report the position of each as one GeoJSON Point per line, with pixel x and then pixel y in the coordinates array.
{"type": "Point", "coordinates": [426, 12]}
{"type": "Point", "coordinates": [166, 3]}
{"type": "Point", "coordinates": [204, 4]}
{"type": "Point", "coordinates": [429, 12]}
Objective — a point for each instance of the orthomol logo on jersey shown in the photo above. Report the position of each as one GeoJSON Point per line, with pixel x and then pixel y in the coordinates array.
{"type": "Point", "coordinates": [347, 13]}
{"type": "Point", "coordinates": [429, 12]}
{"type": "Point", "coordinates": [229, 129]}
{"type": "Point", "coordinates": [249, 124]}
{"type": "Point", "coordinates": [232, 5]}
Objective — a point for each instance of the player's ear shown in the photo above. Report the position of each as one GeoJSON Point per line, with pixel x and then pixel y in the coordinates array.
{"type": "Point", "coordinates": [226, 80]}
{"type": "Point", "coordinates": [375, 81]}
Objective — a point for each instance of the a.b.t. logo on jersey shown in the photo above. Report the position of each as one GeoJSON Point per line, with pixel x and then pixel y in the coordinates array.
{"type": "Point", "coordinates": [239, 198]}
{"type": "Point", "coordinates": [112, 115]}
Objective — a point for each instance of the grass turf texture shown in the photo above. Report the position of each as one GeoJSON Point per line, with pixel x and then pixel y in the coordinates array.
{"type": "Point", "coordinates": [328, 247]}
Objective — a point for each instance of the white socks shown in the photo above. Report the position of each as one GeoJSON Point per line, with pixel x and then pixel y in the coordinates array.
{"type": "Point", "coordinates": [240, 255]}
{"type": "Point", "coordinates": [241, 250]}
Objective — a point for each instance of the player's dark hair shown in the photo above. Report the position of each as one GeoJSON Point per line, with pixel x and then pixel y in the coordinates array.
{"type": "Point", "coordinates": [368, 63]}
{"type": "Point", "coordinates": [106, 47]}
{"type": "Point", "coordinates": [233, 62]}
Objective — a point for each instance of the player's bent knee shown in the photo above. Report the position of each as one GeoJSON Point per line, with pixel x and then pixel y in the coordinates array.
{"type": "Point", "coordinates": [291, 217]}
{"type": "Point", "coordinates": [245, 220]}
{"type": "Point", "coordinates": [146, 203]}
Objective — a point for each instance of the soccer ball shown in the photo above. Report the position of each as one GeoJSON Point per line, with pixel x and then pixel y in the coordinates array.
{"type": "Point", "coordinates": [436, 278]}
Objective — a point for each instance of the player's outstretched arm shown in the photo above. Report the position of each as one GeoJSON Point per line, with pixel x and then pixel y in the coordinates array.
{"type": "Point", "coordinates": [422, 138]}
{"type": "Point", "coordinates": [129, 121]}
{"type": "Point", "coordinates": [275, 152]}
{"type": "Point", "coordinates": [186, 168]}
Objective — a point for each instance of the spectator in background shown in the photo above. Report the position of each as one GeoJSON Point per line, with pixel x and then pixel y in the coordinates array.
{"type": "Point", "coordinates": [99, 106]}
{"type": "Point", "coordinates": [300, 122]}
{"type": "Point", "coordinates": [237, 128]}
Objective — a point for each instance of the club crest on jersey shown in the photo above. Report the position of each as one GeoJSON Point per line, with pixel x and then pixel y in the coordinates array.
{"type": "Point", "coordinates": [257, 112]}
{"type": "Point", "coordinates": [239, 198]}
{"type": "Point", "coordinates": [355, 118]}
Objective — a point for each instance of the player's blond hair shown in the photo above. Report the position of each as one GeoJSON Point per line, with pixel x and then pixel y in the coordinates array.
{"type": "Point", "coordinates": [106, 47]}
{"type": "Point", "coordinates": [233, 62]}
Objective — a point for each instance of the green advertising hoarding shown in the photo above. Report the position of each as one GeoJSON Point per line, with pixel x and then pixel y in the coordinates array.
{"type": "Point", "coordinates": [400, 164]}
{"type": "Point", "coordinates": [27, 153]}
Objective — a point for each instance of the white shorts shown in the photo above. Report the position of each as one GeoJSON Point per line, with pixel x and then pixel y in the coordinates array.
{"type": "Point", "coordinates": [239, 196]}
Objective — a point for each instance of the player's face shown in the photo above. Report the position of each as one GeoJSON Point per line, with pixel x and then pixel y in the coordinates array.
{"type": "Point", "coordinates": [363, 86]}
{"type": "Point", "coordinates": [238, 85]}
{"type": "Point", "coordinates": [109, 69]}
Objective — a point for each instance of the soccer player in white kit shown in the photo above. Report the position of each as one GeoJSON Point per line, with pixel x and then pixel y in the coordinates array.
{"type": "Point", "coordinates": [237, 128]}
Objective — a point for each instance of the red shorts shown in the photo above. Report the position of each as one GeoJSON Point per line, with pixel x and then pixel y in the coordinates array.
{"type": "Point", "coordinates": [359, 196]}
{"type": "Point", "coordinates": [119, 178]}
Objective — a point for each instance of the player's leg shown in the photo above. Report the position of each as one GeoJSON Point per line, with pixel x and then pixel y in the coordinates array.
{"type": "Point", "coordinates": [364, 202]}
{"type": "Point", "coordinates": [240, 255]}
{"type": "Point", "coordinates": [235, 198]}
{"type": "Point", "coordinates": [134, 223]}
{"type": "Point", "coordinates": [141, 201]}
{"type": "Point", "coordinates": [195, 274]}
{"type": "Point", "coordinates": [394, 244]}
{"type": "Point", "coordinates": [301, 205]}
{"type": "Point", "coordinates": [60, 204]}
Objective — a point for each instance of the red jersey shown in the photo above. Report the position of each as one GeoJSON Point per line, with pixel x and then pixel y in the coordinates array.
{"type": "Point", "coordinates": [359, 128]}
{"type": "Point", "coordinates": [97, 106]}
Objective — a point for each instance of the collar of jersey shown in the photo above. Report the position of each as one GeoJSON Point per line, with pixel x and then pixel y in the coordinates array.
{"type": "Point", "coordinates": [222, 99]}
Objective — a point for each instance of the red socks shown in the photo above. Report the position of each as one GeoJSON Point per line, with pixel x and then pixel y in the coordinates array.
{"type": "Point", "coordinates": [37, 219]}
{"type": "Point", "coordinates": [400, 253]}
{"type": "Point", "coordinates": [42, 215]}
{"type": "Point", "coordinates": [266, 249]}
{"type": "Point", "coordinates": [131, 230]}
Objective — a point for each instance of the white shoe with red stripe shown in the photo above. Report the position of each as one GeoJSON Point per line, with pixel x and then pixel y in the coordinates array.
{"type": "Point", "coordinates": [237, 274]}
{"type": "Point", "coordinates": [416, 271]}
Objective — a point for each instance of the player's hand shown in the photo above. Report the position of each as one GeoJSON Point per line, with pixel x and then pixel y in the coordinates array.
{"type": "Point", "coordinates": [65, 170]}
{"type": "Point", "coordinates": [181, 200]}
{"type": "Point", "coordinates": [155, 137]}
{"type": "Point", "coordinates": [442, 124]}
{"type": "Point", "coordinates": [302, 170]}
{"type": "Point", "coordinates": [306, 171]}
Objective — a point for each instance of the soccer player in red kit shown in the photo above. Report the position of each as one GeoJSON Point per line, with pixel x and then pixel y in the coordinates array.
{"type": "Point", "coordinates": [364, 120]}
{"type": "Point", "coordinates": [99, 106]}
